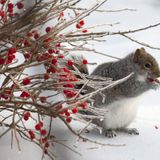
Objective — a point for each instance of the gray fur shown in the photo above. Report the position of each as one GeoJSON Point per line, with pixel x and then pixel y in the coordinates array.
{"type": "Point", "coordinates": [128, 89]}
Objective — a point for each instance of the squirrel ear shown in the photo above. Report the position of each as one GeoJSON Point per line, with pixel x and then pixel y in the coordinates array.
{"type": "Point", "coordinates": [143, 50]}
{"type": "Point", "coordinates": [138, 54]}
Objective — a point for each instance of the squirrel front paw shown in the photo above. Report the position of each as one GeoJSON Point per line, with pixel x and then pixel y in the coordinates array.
{"type": "Point", "coordinates": [110, 133]}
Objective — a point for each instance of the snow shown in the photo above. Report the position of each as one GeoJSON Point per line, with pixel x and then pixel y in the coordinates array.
{"type": "Point", "coordinates": [142, 147]}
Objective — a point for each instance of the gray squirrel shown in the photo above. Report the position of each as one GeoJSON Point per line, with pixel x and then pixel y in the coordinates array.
{"type": "Point", "coordinates": [121, 100]}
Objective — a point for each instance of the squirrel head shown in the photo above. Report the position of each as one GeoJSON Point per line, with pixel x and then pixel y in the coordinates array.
{"type": "Point", "coordinates": [146, 65]}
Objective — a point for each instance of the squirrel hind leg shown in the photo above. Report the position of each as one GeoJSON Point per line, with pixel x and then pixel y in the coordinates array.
{"type": "Point", "coordinates": [131, 131]}
{"type": "Point", "coordinates": [111, 133]}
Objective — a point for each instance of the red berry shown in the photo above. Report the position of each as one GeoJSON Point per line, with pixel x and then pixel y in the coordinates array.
{"type": "Point", "coordinates": [66, 70]}
{"type": "Point", "coordinates": [11, 58]}
{"type": "Point", "coordinates": [83, 104]}
{"type": "Point", "coordinates": [36, 35]}
{"type": "Point", "coordinates": [25, 94]}
{"type": "Point", "coordinates": [25, 118]}
{"type": "Point", "coordinates": [47, 40]}
{"type": "Point", "coordinates": [68, 119]}
{"type": "Point", "coordinates": [51, 69]}
{"type": "Point", "coordinates": [54, 61]}
{"type": "Point", "coordinates": [22, 94]}
{"type": "Point", "coordinates": [2, 61]}
{"type": "Point", "coordinates": [20, 5]}
{"type": "Point", "coordinates": [2, 1]}
{"type": "Point", "coordinates": [27, 43]}
{"type": "Point", "coordinates": [85, 31]}
{"type": "Point", "coordinates": [4, 96]}
{"type": "Point", "coordinates": [71, 94]}
{"type": "Point", "coordinates": [65, 91]}
{"type": "Point", "coordinates": [30, 132]}
{"type": "Point", "coordinates": [27, 55]}
{"type": "Point", "coordinates": [29, 34]}
{"type": "Point", "coordinates": [12, 50]}
{"type": "Point", "coordinates": [26, 81]}
{"type": "Point", "coordinates": [32, 135]}
{"type": "Point", "coordinates": [58, 45]}
{"type": "Point", "coordinates": [81, 22]}
{"type": "Point", "coordinates": [42, 140]}
{"type": "Point", "coordinates": [67, 113]}
{"type": "Point", "coordinates": [8, 91]}
{"type": "Point", "coordinates": [50, 51]}
{"type": "Point", "coordinates": [10, 10]}
{"type": "Point", "coordinates": [69, 85]}
{"type": "Point", "coordinates": [43, 99]}
{"type": "Point", "coordinates": [74, 110]}
{"type": "Point", "coordinates": [10, 5]}
{"type": "Point", "coordinates": [78, 26]}
{"type": "Point", "coordinates": [57, 51]}
{"type": "Point", "coordinates": [70, 63]}
{"type": "Point", "coordinates": [85, 61]}
{"type": "Point", "coordinates": [48, 29]}
{"type": "Point", "coordinates": [43, 132]}
{"type": "Point", "coordinates": [38, 127]}
{"type": "Point", "coordinates": [2, 13]}
{"type": "Point", "coordinates": [28, 114]}
{"type": "Point", "coordinates": [151, 80]}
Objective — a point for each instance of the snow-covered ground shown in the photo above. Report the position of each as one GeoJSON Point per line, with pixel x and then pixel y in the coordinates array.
{"type": "Point", "coordinates": [146, 145]}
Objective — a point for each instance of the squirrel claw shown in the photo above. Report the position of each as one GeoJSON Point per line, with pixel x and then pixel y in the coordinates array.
{"type": "Point", "coordinates": [110, 133]}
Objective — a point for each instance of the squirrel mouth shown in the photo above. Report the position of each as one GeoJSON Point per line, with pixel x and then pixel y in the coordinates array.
{"type": "Point", "coordinates": [153, 80]}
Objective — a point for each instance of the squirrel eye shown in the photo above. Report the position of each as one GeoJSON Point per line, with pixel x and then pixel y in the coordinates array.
{"type": "Point", "coordinates": [148, 65]}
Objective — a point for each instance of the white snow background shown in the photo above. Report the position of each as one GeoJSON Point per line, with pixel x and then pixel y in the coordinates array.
{"type": "Point", "coordinates": [146, 146]}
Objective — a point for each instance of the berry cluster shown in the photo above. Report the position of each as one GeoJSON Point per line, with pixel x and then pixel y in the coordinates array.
{"type": "Point", "coordinates": [27, 46]}
{"type": "Point", "coordinates": [26, 116]}
{"type": "Point", "coordinates": [80, 25]}
{"type": "Point", "coordinates": [8, 57]}
{"type": "Point", "coordinates": [68, 112]}
{"type": "Point", "coordinates": [42, 132]}
{"type": "Point", "coordinates": [8, 10]}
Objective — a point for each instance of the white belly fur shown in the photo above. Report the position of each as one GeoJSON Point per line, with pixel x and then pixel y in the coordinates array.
{"type": "Point", "coordinates": [120, 113]}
